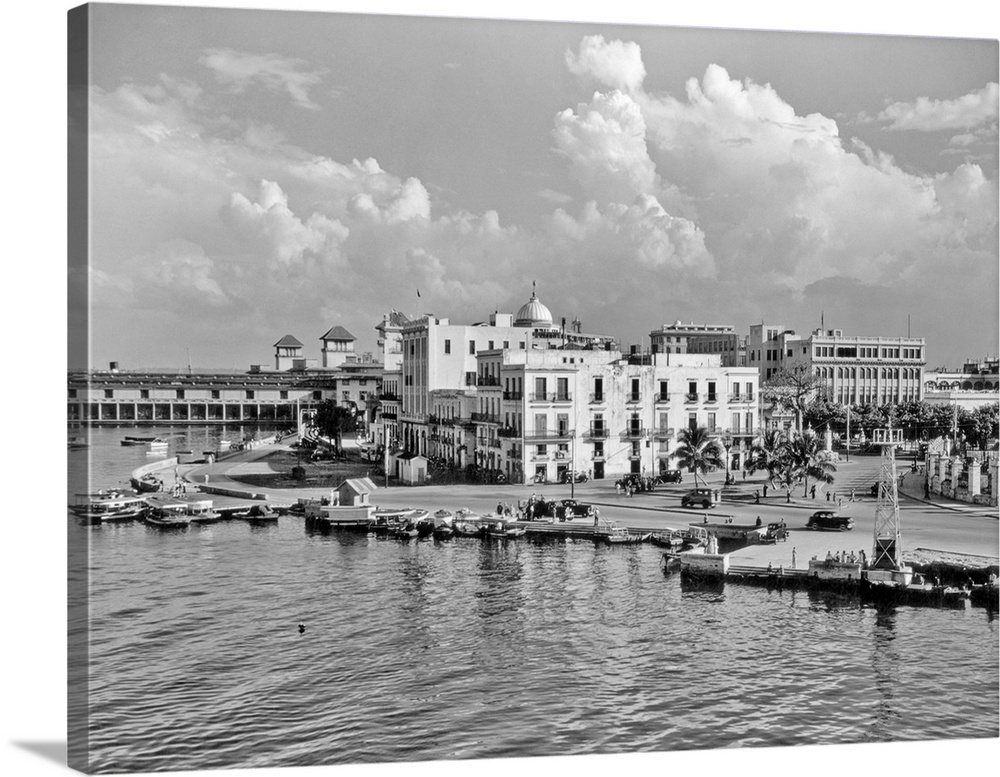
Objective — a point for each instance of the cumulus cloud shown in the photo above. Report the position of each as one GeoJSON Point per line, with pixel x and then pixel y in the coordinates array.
{"type": "Point", "coordinates": [612, 63]}
{"type": "Point", "coordinates": [239, 70]}
{"type": "Point", "coordinates": [926, 115]}
{"type": "Point", "coordinates": [605, 144]}
{"type": "Point", "coordinates": [180, 268]}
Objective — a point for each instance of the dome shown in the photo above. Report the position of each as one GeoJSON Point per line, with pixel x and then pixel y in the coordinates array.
{"type": "Point", "coordinates": [534, 313]}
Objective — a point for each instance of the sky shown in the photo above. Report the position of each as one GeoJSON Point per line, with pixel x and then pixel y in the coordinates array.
{"type": "Point", "coordinates": [261, 173]}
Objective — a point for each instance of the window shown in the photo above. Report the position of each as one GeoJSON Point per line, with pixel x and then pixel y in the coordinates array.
{"type": "Point", "coordinates": [664, 390]}
{"type": "Point", "coordinates": [562, 388]}
{"type": "Point", "coordinates": [506, 344]}
{"type": "Point", "coordinates": [180, 393]}
{"type": "Point", "coordinates": [249, 394]}
{"type": "Point", "coordinates": [447, 346]}
{"type": "Point", "coordinates": [472, 347]}
{"type": "Point", "coordinates": [412, 349]}
{"type": "Point", "coordinates": [598, 450]}
{"type": "Point", "coordinates": [72, 393]}
{"type": "Point", "coordinates": [711, 391]}
{"type": "Point", "coordinates": [143, 393]}
{"type": "Point", "coordinates": [470, 379]}
{"type": "Point", "coordinates": [598, 388]}
{"type": "Point", "coordinates": [711, 422]}
{"type": "Point", "coordinates": [282, 395]}
{"type": "Point", "coordinates": [692, 420]}
{"type": "Point", "coordinates": [692, 387]}
{"type": "Point", "coordinates": [635, 390]}
{"type": "Point", "coordinates": [635, 449]}
{"type": "Point", "coordinates": [215, 394]}
{"type": "Point", "coordinates": [491, 345]}
{"type": "Point", "coordinates": [317, 395]}
{"type": "Point", "coordinates": [542, 450]}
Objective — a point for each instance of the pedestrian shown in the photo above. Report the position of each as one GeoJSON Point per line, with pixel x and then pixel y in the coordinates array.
{"type": "Point", "coordinates": [853, 498]}
{"type": "Point", "coordinates": [206, 478]}
{"type": "Point", "coordinates": [793, 558]}
{"type": "Point", "coordinates": [756, 497]}
{"type": "Point", "coordinates": [765, 490]}
{"type": "Point", "coordinates": [618, 489]}
{"type": "Point", "coordinates": [758, 521]}
{"type": "Point", "coordinates": [744, 475]}
{"type": "Point", "coordinates": [812, 491]}
{"type": "Point", "coordinates": [788, 497]}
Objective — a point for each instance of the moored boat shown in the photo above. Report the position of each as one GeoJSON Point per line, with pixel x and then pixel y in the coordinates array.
{"type": "Point", "coordinates": [619, 535]}
{"type": "Point", "coordinates": [261, 514]}
{"type": "Point", "coordinates": [167, 513]}
{"type": "Point", "coordinates": [77, 443]}
{"type": "Point", "coordinates": [147, 484]}
{"type": "Point", "coordinates": [200, 511]}
{"type": "Point", "coordinates": [106, 506]}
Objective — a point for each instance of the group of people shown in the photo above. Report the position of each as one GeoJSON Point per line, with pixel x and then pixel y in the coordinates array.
{"type": "Point", "coordinates": [843, 557]}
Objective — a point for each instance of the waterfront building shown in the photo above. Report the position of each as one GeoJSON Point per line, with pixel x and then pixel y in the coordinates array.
{"type": "Point", "coordinates": [440, 356]}
{"type": "Point", "coordinates": [543, 413]}
{"type": "Point", "coordinates": [719, 339]}
{"type": "Point", "coordinates": [851, 369]}
{"type": "Point", "coordinates": [976, 384]}
{"type": "Point", "coordinates": [287, 351]}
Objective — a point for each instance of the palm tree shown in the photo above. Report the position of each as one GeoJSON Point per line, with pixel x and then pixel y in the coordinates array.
{"type": "Point", "coordinates": [806, 459]}
{"type": "Point", "coordinates": [698, 452]}
{"type": "Point", "coordinates": [768, 454]}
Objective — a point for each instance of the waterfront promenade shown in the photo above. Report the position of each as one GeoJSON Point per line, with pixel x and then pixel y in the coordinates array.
{"type": "Point", "coordinates": [945, 527]}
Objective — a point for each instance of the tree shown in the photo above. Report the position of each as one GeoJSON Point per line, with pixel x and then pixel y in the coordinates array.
{"type": "Point", "coordinates": [698, 452]}
{"type": "Point", "coordinates": [333, 421]}
{"type": "Point", "coordinates": [981, 425]}
{"type": "Point", "coordinates": [767, 454]}
{"type": "Point", "coordinates": [791, 388]}
{"type": "Point", "coordinates": [805, 458]}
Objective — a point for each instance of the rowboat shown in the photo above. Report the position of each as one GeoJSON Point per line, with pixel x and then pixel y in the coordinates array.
{"type": "Point", "coordinates": [619, 535]}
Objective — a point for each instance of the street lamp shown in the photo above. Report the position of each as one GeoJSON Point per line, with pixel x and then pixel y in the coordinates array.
{"type": "Point", "coordinates": [727, 443]}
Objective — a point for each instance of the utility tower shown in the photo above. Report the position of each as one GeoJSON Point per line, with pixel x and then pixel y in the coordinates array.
{"type": "Point", "coordinates": [887, 552]}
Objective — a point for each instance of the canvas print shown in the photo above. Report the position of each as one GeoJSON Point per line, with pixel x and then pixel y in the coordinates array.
{"type": "Point", "coordinates": [450, 389]}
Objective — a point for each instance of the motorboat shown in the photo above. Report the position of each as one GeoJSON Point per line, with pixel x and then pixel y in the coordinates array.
{"type": "Point", "coordinates": [201, 511]}
{"type": "Point", "coordinates": [147, 484]}
{"type": "Point", "coordinates": [167, 513]}
{"type": "Point", "coordinates": [107, 506]}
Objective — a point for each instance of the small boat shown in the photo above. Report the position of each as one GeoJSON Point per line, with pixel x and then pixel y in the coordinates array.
{"type": "Point", "coordinates": [667, 539]}
{"type": "Point", "coordinates": [112, 505]}
{"type": "Point", "coordinates": [501, 530]}
{"type": "Point", "coordinates": [407, 532]}
{"type": "Point", "coordinates": [443, 532]}
{"type": "Point", "coordinates": [78, 443]}
{"type": "Point", "coordinates": [147, 484]}
{"type": "Point", "coordinates": [261, 515]}
{"type": "Point", "coordinates": [167, 513]}
{"type": "Point", "coordinates": [158, 442]}
{"type": "Point", "coordinates": [619, 535]}
{"type": "Point", "coordinates": [201, 511]}
{"type": "Point", "coordinates": [137, 440]}
{"type": "Point", "coordinates": [467, 528]}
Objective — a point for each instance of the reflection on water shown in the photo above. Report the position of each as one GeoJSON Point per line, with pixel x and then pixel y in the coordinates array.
{"type": "Point", "coordinates": [513, 647]}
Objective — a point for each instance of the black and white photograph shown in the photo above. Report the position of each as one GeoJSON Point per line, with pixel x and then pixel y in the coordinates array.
{"type": "Point", "coordinates": [451, 385]}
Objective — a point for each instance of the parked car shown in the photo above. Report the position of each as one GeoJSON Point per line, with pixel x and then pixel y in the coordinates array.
{"type": "Point", "coordinates": [827, 520]}
{"type": "Point", "coordinates": [700, 497]}
{"type": "Point", "coordinates": [776, 532]}
{"type": "Point", "coordinates": [577, 477]}
{"type": "Point", "coordinates": [671, 476]}
{"type": "Point", "coordinates": [573, 509]}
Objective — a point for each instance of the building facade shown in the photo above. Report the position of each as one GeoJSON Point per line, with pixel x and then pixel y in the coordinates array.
{"type": "Point", "coordinates": [976, 384]}
{"type": "Point", "coordinates": [718, 339]}
{"type": "Point", "coordinates": [850, 370]}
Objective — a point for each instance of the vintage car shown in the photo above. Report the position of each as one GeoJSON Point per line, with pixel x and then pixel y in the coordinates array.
{"type": "Point", "coordinates": [827, 520]}
{"type": "Point", "coordinates": [700, 497]}
{"type": "Point", "coordinates": [570, 508]}
{"type": "Point", "coordinates": [671, 476]}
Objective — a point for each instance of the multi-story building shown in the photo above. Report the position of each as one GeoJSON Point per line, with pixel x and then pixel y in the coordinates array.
{"type": "Point", "coordinates": [976, 384]}
{"type": "Point", "coordinates": [851, 370]}
{"type": "Point", "coordinates": [441, 356]}
{"type": "Point", "coordinates": [257, 396]}
{"type": "Point", "coordinates": [720, 339]}
{"type": "Point", "coordinates": [541, 413]}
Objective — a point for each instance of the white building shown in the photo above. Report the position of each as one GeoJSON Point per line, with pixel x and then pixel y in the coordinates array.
{"type": "Point", "coordinates": [976, 384]}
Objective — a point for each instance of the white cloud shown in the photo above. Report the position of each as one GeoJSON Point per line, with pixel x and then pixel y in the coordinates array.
{"type": "Point", "coordinates": [605, 144]}
{"type": "Point", "coordinates": [239, 70]}
{"type": "Point", "coordinates": [615, 64]}
{"type": "Point", "coordinates": [925, 115]}
{"type": "Point", "coordinates": [180, 269]}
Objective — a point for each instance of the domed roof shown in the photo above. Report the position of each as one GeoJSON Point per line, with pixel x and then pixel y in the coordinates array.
{"type": "Point", "coordinates": [533, 313]}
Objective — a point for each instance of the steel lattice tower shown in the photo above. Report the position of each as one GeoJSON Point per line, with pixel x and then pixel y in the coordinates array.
{"type": "Point", "coordinates": [887, 552]}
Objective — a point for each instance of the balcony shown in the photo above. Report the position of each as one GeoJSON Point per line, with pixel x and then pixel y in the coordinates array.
{"type": "Point", "coordinates": [388, 396]}
{"type": "Point", "coordinates": [536, 396]}
{"type": "Point", "coordinates": [663, 433]}
{"type": "Point", "coordinates": [596, 433]}
{"type": "Point", "coordinates": [487, 381]}
{"type": "Point", "coordinates": [509, 432]}
{"type": "Point", "coordinates": [513, 395]}
{"type": "Point", "coordinates": [633, 432]}
{"type": "Point", "coordinates": [711, 397]}
{"type": "Point", "coordinates": [433, 419]}
{"type": "Point", "coordinates": [598, 398]}
{"type": "Point", "coordinates": [533, 435]}
{"type": "Point", "coordinates": [485, 418]}
{"type": "Point", "coordinates": [691, 397]}
{"type": "Point", "coordinates": [562, 397]}
{"type": "Point", "coordinates": [661, 399]}
{"type": "Point", "coordinates": [633, 398]}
